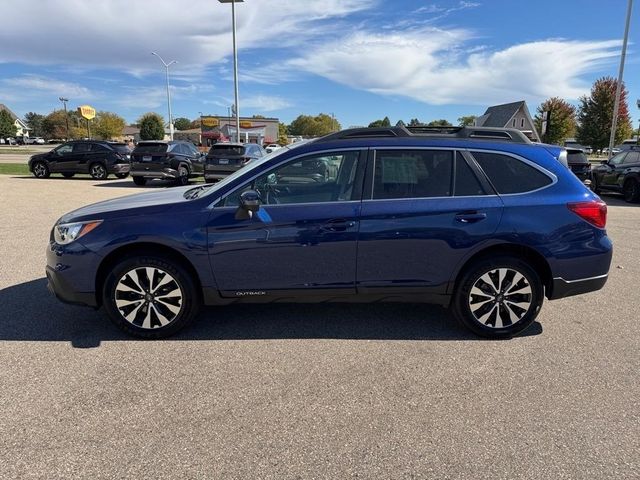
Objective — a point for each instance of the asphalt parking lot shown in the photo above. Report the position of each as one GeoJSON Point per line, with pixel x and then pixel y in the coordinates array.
{"type": "Point", "coordinates": [288, 391]}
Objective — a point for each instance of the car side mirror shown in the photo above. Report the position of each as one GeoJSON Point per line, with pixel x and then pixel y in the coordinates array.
{"type": "Point", "coordinates": [604, 162]}
{"type": "Point", "coordinates": [249, 204]}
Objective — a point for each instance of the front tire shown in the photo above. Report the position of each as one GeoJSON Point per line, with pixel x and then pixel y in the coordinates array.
{"type": "Point", "coordinates": [631, 190]}
{"type": "Point", "coordinates": [41, 170]}
{"type": "Point", "coordinates": [98, 171]}
{"type": "Point", "coordinates": [150, 296]}
{"type": "Point", "coordinates": [140, 181]}
{"type": "Point", "coordinates": [498, 297]}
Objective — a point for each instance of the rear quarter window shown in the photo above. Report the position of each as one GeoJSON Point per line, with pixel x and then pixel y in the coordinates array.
{"type": "Point", "coordinates": [510, 175]}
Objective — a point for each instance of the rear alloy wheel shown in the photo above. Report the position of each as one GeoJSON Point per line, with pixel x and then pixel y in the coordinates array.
{"type": "Point", "coordinates": [68, 174]}
{"type": "Point", "coordinates": [150, 297]}
{"type": "Point", "coordinates": [498, 297]}
{"type": "Point", "coordinates": [40, 170]}
{"type": "Point", "coordinates": [140, 181]}
{"type": "Point", "coordinates": [631, 190]}
{"type": "Point", "coordinates": [183, 175]}
{"type": "Point", "coordinates": [122, 175]}
{"type": "Point", "coordinates": [98, 171]}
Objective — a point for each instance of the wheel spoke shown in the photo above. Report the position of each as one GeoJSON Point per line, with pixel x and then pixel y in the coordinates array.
{"type": "Point", "coordinates": [486, 278]}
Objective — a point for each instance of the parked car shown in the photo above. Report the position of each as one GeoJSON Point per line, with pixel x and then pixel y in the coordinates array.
{"type": "Point", "coordinates": [10, 141]}
{"type": "Point", "coordinates": [579, 164]}
{"type": "Point", "coordinates": [98, 158]}
{"type": "Point", "coordinates": [272, 147]}
{"type": "Point", "coordinates": [175, 160]}
{"type": "Point", "coordinates": [34, 141]}
{"type": "Point", "coordinates": [226, 158]}
{"type": "Point", "coordinates": [477, 219]}
{"type": "Point", "coordinates": [620, 174]}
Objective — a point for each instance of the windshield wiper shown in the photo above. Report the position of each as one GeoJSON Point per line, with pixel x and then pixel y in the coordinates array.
{"type": "Point", "coordinates": [195, 192]}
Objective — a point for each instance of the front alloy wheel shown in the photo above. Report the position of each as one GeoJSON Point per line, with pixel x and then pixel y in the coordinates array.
{"type": "Point", "coordinates": [498, 297]}
{"type": "Point", "coordinates": [150, 297]}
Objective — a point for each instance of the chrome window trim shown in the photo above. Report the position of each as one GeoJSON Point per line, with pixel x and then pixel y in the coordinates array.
{"type": "Point", "coordinates": [298, 204]}
{"type": "Point", "coordinates": [291, 159]}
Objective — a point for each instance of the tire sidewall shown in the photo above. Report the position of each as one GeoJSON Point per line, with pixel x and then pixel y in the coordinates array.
{"type": "Point", "coordinates": [190, 301]}
{"type": "Point", "coordinates": [460, 304]}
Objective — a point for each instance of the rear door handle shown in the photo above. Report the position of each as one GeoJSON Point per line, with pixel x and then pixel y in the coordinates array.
{"type": "Point", "coordinates": [338, 225]}
{"type": "Point", "coordinates": [470, 217]}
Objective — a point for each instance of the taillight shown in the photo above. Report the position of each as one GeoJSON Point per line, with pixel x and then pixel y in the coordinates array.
{"type": "Point", "coordinates": [594, 212]}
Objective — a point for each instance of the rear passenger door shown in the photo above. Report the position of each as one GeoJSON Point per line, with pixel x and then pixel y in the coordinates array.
{"type": "Point", "coordinates": [423, 210]}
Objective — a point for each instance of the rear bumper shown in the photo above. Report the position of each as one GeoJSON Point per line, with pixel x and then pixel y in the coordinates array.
{"type": "Point", "coordinates": [165, 173]}
{"type": "Point", "coordinates": [566, 288]}
{"type": "Point", "coordinates": [120, 168]}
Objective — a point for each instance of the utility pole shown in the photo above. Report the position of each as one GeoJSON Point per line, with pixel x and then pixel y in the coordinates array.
{"type": "Point", "coordinates": [616, 105]}
{"type": "Point", "coordinates": [66, 117]}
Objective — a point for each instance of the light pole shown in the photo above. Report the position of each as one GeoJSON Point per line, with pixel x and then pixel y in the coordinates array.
{"type": "Point", "coordinates": [166, 67]}
{"type": "Point", "coordinates": [616, 105]}
{"type": "Point", "coordinates": [66, 117]}
{"type": "Point", "coordinates": [235, 62]}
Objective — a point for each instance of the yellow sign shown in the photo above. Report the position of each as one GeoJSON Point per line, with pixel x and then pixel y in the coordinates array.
{"type": "Point", "coordinates": [87, 112]}
{"type": "Point", "coordinates": [210, 122]}
{"type": "Point", "coordinates": [246, 124]}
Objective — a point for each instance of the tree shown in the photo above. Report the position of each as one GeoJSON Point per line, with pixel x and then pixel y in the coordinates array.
{"type": "Point", "coordinates": [54, 125]}
{"type": "Point", "coordinates": [34, 122]}
{"type": "Point", "coordinates": [317, 126]}
{"type": "Point", "coordinates": [414, 122]}
{"type": "Point", "coordinates": [385, 122]}
{"type": "Point", "coordinates": [151, 126]}
{"type": "Point", "coordinates": [282, 134]}
{"type": "Point", "coordinates": [439, 123]}
{"type": "Point", "coordinates": [562, 120]}
{"type": "Point", "coordinates": [400, 123]}
{"type": "Point", "coordinates": [195, 123]}
{"type": "Point", "coordinates": [467, 121]}
{"type": "Point", "coordinates": [108, 125]}
{"type": "Point", "coordinates": [595, 115]}
{"type": "Point", "coordinates": [182, 123]}
{"type": "Point", "coordinates": [7, 125]}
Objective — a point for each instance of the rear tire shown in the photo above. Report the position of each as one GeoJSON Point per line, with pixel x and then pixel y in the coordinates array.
{"type": "Point", "coordinates": [98, 171]}
{"type": "Point", "coordinates": [631, 190]}
{"type": "Point", "coordinates": [68, 174]}
{"type": "Point", "coordinates": [183, 176]}
{"type": "Point", "coordinates": [140, 181]}
{"type": "Point", "coordinates": [41, 170]}
{"type": "Point", "coordinates": [498, 297]}
{"type": "Point", "coordinates": [150, 296]}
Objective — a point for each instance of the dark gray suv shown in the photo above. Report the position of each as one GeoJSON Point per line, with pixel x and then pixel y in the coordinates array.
{"type": "Point", "coordinates": [169, 160]}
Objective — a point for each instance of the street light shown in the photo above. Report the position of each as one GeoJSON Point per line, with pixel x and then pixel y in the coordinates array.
{"type": "Point", "coordinates": [166, 67]}
{"type": "Point", "coordinates": [235, 62]}
{"type": "Point", "coordinates": [66, 117]}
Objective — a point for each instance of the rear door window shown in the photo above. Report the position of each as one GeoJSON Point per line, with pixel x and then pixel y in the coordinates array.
{"type": "Point", "coordinates": [412, 174]}
{"type": "Point", "coordinates": [510, 175]}
{"type": "Point", "coordinates": [466, 182]}
{"type": "Point", "coordinates": [96, 147]}
{"type": "Point", "coordinates": [632, 157]}
{"type": "Point", "coordinates": [81, 147]}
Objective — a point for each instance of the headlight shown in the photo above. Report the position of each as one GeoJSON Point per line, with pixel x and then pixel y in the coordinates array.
{"type": "Point", "coordinates": [68, 232]}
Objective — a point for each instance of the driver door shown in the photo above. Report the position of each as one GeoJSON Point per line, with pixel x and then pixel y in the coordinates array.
{"type": "Point", "coordinates": [302, 240]}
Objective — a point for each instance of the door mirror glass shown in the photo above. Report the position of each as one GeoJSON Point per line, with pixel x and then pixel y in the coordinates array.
{"type": "Point", "coordinates": [249, 204]}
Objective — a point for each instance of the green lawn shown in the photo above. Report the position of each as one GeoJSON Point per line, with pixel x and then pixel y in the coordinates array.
{"type": "Point", "coordinates": [14, 169]}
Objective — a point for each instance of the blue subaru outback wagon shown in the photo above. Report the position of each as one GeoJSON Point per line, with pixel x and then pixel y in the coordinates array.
{"type": "Point", "coordinates": [480, 220]}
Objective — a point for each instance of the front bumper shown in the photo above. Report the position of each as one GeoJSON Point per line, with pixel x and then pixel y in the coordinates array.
{"type": "Point", "coordinates": [71, 273]}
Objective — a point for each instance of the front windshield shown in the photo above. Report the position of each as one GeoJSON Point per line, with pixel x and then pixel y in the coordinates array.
{"type": "Point", "coordinates": [254, 164]}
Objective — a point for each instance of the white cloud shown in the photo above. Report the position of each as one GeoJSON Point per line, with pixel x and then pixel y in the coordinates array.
{"type": "Point", "coordinates": [428, 65]}
{"type": "Point", "coordinates": [33, 85]}
{"type": "Point", "coordinates": [265, 103]}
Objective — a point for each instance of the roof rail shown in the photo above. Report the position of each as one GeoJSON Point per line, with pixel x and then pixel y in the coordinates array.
{"type": "Point", "coordinates": [510, 135]}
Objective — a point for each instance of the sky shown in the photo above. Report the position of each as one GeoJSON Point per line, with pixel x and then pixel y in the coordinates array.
{"type": "Point", "coordinates": [360, 60]}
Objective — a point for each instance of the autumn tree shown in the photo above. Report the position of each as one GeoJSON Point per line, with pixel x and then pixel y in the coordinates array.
{"type": "Point", "coordinates": [317, 126]}
{"type": "Point", "coordinates": [385, 122]}
{"type": "Point", "coordinates": [561, 123]}
{"type": "Point", "coordinates": [182, 123]}
{"type": "Point", "coordinates": [55, 124]}
{"type": "Point", "coordinates": [595, 115]}
{"type": "Point", "coordinates": [7, 125]}
{"type": "Point", "coordinates": [466, 121]}
{"type": "Point", "coordinates": [282, 134]}
{"type": "Point", "coordinates": [108, 125]}
{"type": "Point", "coordinates": [151, 126]}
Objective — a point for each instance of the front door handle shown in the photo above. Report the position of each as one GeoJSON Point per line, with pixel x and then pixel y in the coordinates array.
{"type": "Point", "coordinates": [470, 217]}
{"type": "Point", "coordinates": [338, 225]}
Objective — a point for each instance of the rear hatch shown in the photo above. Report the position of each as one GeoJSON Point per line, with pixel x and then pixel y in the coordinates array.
{"type": "Point", "coordinates": [150, 156]}
{"type": "Point", "coordinates": [123, 150]}
{"type": "Point", "coordinates": [226, 157]}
